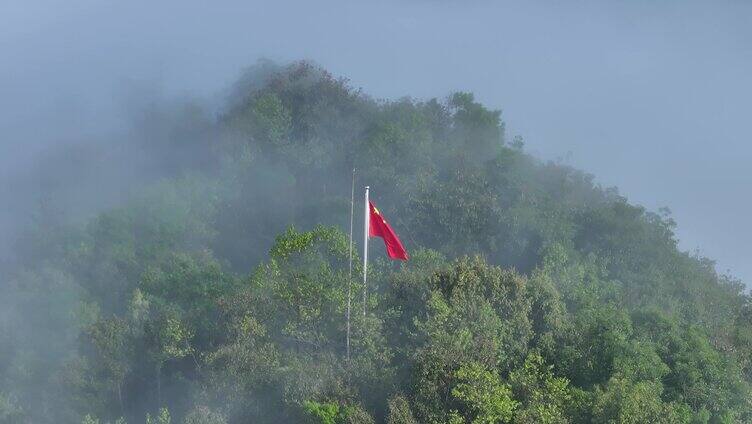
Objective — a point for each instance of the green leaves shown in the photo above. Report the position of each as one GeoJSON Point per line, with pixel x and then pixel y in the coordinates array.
{"type": "Point", "coordinates": [399, 411]}
{"type": "Point", "coordinates": [332, 413]}
{"type": "Point", "coordinates": [324, 413]}
{"type": "Point", "coordinates": [485, 398]}
{"type": "Point", "coordinates": [573, 304]}
{"type": "Point", "coordinates": [632, 403]}
{"type": "Point", "coordinates": [544, 398]}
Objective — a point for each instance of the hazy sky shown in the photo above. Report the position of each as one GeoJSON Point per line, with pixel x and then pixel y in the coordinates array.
{"type": "Point", "coordinates": [653, 97]}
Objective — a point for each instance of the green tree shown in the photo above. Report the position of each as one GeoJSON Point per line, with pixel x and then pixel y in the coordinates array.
{"type": "Point", "coordinates": [485, 399]}
{"type": "Point", "coordinates": [624, 402]}
{"type": "Point", "coordinates": [113, 343]}
{"type": "Point", "coordinates": [399, 411]}
{"type": "Point", "coordinates": [544, 398]}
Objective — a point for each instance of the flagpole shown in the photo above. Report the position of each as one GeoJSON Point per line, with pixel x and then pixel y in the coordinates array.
{"type": "Point", "coordinates": [367, 214]}
{"type": "Point", "coordinates": [349, 279]}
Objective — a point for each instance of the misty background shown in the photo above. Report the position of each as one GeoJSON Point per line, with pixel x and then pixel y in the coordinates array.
{"type": "Point", "coordinates": [652, 98]}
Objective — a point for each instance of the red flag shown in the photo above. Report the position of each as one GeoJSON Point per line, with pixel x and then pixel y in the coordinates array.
{"type": "Point", "coordinates": [378, 227]}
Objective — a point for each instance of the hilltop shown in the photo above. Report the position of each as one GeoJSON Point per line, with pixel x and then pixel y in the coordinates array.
{"type": "Point", "coordinates": [217, 293]}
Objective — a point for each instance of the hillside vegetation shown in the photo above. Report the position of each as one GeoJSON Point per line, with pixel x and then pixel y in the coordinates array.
{"type": "Point", "coordinates": [218, 292]}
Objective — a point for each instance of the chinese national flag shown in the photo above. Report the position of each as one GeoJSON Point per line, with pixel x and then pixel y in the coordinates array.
{"type": "Point", "coordinates": [378, 227]}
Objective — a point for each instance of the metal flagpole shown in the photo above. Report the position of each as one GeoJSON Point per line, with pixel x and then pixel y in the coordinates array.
{"type": "Point", "coordinates": [367, 214]}
{"type": "Point", "coordinates": [349, 279]}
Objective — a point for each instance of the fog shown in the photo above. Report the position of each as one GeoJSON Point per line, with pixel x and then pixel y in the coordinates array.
{"type": "Point", "coordinates": [174, 181]}
{"type": "Point", "coordinates": [651, 97]}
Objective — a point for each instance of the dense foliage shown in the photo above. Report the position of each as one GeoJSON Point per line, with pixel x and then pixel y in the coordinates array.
{"type": "Point", "coordinates": [218, 293]}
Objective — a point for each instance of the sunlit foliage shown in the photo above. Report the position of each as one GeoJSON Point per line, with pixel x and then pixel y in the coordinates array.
{"type": "Point", "coordinates": [219, 293]}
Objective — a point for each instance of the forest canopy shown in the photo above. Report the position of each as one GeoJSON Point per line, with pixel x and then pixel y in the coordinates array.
{"type": "Point", "coordinates": [218, 292]}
